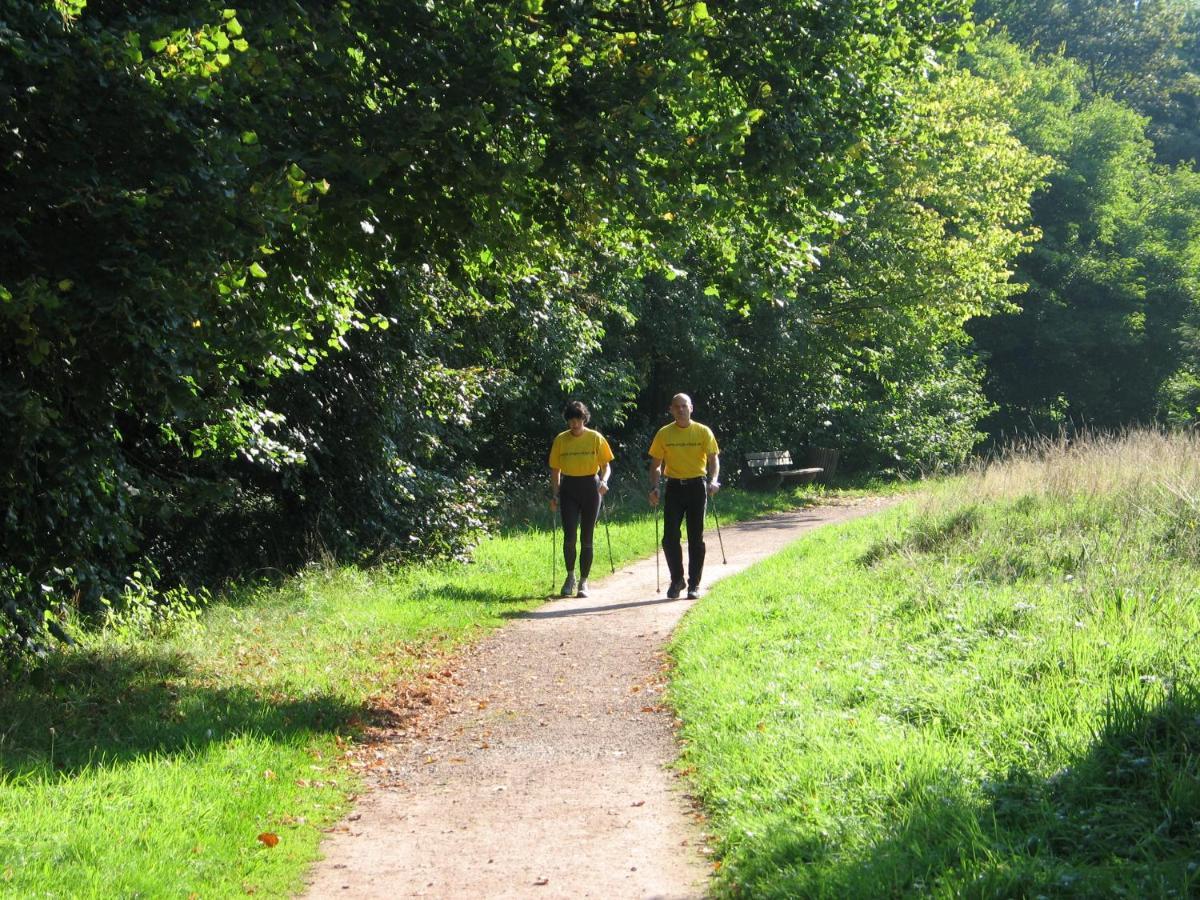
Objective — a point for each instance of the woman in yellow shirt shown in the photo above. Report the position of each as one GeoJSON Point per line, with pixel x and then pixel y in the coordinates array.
{"type": "Point", "coordinates": [579, 471]}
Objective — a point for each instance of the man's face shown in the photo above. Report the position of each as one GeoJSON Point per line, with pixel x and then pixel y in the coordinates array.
{"type": "Point", "coordinates": [681, 409]}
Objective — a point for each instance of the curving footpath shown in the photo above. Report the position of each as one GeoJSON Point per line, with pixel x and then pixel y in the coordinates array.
{"type": "Point", "coordinates": [540, 766]}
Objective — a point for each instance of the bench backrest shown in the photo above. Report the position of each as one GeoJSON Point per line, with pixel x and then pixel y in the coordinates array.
{"type": "Point", "coordinates": [768, 458]}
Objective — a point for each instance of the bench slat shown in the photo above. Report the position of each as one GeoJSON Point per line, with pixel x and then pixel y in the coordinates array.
{"type": "Point", "coordinates": [769, 458]}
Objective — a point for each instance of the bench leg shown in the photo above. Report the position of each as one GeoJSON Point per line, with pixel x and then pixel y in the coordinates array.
{"type": "Point", "coordinates": [765, 482]}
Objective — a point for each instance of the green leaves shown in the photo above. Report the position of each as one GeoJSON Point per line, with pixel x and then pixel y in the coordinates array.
{"type": "Point", "coordinates": [494, 182]}
{"type": "Point", "coordinates": [1106, 310]}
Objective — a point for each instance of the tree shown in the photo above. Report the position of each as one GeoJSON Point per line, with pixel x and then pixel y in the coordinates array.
{"type": "Point", "coordinates": [1139, 52]}
{"type": "Point", "coordinates": [866, 349]}
{"type": "Point", "coordinates": [1099, 328]}
{"type": "Point", "coordinates": [138, 297]}
{"type": "Point", "coordinates": [199, 260]}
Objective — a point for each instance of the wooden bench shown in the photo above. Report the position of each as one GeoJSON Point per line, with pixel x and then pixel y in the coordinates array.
{"type": "Point", "coordinates": [768, 469]}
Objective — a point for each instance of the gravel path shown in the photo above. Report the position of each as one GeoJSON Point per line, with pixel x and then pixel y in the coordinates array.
{"type": "Point", "coordinates": [538, 765]}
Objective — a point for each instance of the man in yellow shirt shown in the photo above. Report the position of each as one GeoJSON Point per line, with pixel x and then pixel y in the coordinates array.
{"type": "Point", "coordinates": [685, 451]}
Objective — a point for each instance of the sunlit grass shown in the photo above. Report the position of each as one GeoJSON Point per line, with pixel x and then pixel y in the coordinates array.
{"type": "Point", "coordinates": [990, 691]}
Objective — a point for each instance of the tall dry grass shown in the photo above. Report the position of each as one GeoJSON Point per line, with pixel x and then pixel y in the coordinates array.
{"type": "Point", "coordinates": [1136, 463]}
{"type": "Point", "coordinates": [1135, 479]}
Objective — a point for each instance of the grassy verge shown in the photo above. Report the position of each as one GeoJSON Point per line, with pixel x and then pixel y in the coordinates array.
{"type": "Point", "coordinates": [991, 691]}
{"type": "Point", "coordinates": [149, 765]}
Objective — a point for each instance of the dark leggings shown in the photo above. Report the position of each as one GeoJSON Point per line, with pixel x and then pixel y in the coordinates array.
{"type": "Point", "coordinates": [579, 500]}
{"type": "Point", "coordinates": [685, 500]}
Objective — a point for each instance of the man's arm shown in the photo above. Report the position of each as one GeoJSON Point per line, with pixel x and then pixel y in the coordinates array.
{"type": "Point", "coordinates": [605, 474]}
{"type": "Point", "coordinates": [655, 473]}
{"type": "Point", "coordinates": [714, 472]}
{"type": "Point", "coordinates": [554, 480]}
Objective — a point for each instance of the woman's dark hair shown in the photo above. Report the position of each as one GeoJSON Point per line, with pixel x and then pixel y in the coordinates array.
{"type": "Point", "coordinates": [576, 409]}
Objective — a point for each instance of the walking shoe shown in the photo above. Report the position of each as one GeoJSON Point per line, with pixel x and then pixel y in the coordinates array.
{"type": "Point", "coordinates": [568, 587]}
{"type": "Point", "coordinates": [693, 593]}
{"type": "Point", "coordinates": [583, 588]}
{"type": "Point", "coordinates": [675, 589]}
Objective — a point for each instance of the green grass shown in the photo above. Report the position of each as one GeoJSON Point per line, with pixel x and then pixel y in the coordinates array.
{"type": "Point", "coordinates": [989, 692]}
{"type": "Point", "coordinates": [136, 766]}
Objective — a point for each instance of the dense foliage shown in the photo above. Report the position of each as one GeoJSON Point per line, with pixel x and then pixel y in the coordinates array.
{"type": "Point", "coordinates": [276, 281]}
{"type": "Point", "coordinates": [1102, 338]}
{"type": "Point", "coordinates": [1142, 53]}
{"type": "Point", "coordinates": [280, 282]}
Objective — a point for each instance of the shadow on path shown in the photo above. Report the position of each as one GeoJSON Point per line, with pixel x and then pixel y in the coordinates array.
{"type": "Point", "coordinates": [780, 522]}
{"type": "Point", "coordinates": [584, 610]}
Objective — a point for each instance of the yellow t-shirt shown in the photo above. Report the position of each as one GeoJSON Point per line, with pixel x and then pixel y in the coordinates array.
{"type": "Point", "coordinates": [685, 450]}
{"type": "Point", "coordinates": [583, 455]}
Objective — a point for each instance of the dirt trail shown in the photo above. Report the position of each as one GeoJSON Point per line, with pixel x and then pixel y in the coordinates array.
{"type": "Point", "coordinates": [540, 765]}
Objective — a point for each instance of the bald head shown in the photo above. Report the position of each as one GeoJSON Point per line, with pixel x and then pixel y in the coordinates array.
{"type": "Point", "coordinates": [681, 409]}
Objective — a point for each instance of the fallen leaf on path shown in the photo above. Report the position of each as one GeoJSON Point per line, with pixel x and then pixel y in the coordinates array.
{"type": "Point", "coordinates": [638, 803]}
{"type": "Point", "coordinates": [268, 839]}
{"type": "Point", "coordinates": [542, 881]}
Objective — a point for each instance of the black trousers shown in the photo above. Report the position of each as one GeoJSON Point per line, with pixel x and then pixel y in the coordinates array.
{"type": "Point", "coordinates": [686, 499]}
{"type": "Point", "coordinates": [579, 500]}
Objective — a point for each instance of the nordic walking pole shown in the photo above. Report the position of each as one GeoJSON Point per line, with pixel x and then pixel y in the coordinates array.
{"type": "Point", "coordinates": [607, 536]}
{"type": "Point", "coordinates": [713, 503]}
{"type": "Point", "coordinates": [553, 549]}
{"type": "Point", "coordinates": [657, 577]}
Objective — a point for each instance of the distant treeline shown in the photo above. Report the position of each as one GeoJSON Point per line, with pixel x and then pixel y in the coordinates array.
{"type": "Point", "coordinates": [288, 281]}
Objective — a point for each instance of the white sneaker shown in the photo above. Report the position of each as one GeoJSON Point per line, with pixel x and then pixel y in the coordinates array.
{"type": "Point", "coordinates": [568, 587]}
{"type": "Point", "coordinates": [583, 588]}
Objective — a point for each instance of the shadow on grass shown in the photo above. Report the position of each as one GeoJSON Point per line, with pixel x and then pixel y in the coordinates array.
{"type": "Point", "coordinates": [1122, 820]}
{"type": "Point", "coordinates": [87, 709]}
